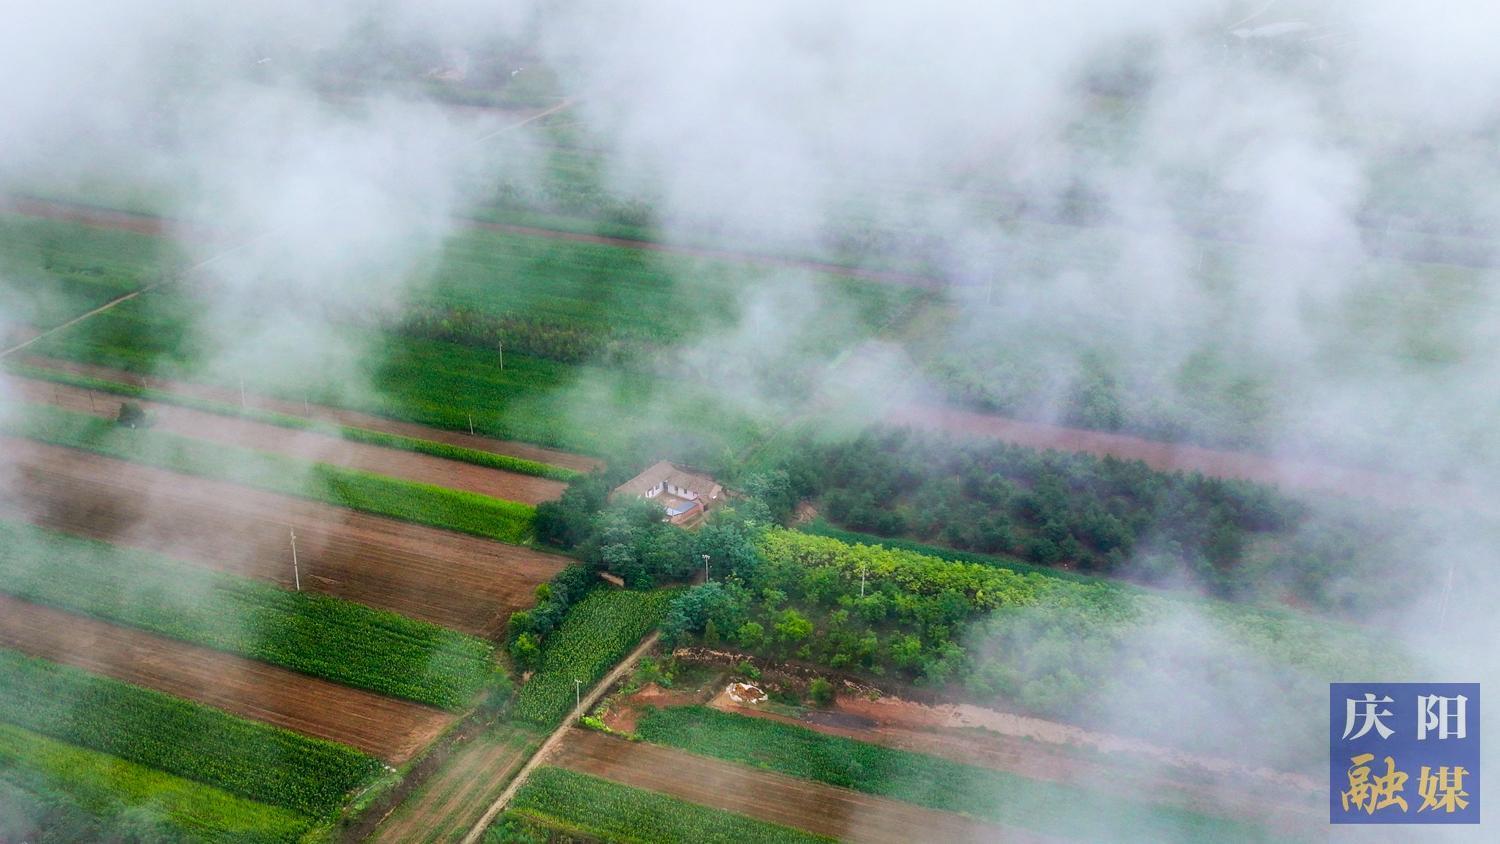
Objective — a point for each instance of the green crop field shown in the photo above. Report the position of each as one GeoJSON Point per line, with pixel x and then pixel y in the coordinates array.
{"type": "Point", "coordinates": [597, 633]}
{"type": "Point", "coordinates": [52, 271]}
{"type": "Point", "coordinates": [460, 510]}
{"type": "Point", "coordinates": [488, 459]}
{"type": "Point", "coordinates": [593, 808]}
{"type": "Point", "coordinates": [989, 795]}
{"type": "Point", "coordinates": [50, 788]}
{"type": "Point", "coordinates": [252, 760]}
{"type": "Point", "coordinates": [313, 634]}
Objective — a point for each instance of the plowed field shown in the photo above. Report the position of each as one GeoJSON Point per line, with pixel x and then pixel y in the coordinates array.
{"type": "Point", "coordinates": [458, 581]}
{"type": "Point", "coordinates": [391, 729]}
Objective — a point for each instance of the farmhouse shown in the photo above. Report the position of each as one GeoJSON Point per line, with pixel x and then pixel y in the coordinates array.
{"type": "Point", "coordinates": [687, 495]}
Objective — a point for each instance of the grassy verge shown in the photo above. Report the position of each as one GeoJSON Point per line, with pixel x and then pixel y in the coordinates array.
{"type": "Point", "coordinates": [63, 791]}
{"type": "Point", "coordinates": [937, 783]}
{"type": "Point", "coordinates": [325, 637]}
{"type": "Point", "coordinates": [595, 808]}
{"type": "Point", "coordinates": [597, 633]}
{"type": "Point", "coordinates": [248, 759]}
{"type": "Point", "coordinates": [487, 459]}
{"type": "Point", "coordinates": [467, 512]}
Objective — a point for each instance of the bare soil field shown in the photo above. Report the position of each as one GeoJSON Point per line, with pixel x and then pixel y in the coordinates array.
{"type": "Point", "coordinates": [304, 445]}
{"type": "Point", "coordinates": [1294, 475]}
{"type": "Point", "coordinates": [350, 418]}
{"type": "Point", "coordinates": [459, 581]}
{"type": "Point", "coordinates": [817, 808]}
{"type": "Point", "coordinates": [390, 729]}
{"type": "Point", "coordinates": [453, 799]}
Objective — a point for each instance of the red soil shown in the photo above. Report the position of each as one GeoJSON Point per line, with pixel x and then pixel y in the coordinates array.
{"type": "Point", "coordinates": [391, 729]}
{"type": "Point", "coordinates": [305, 445]}
{"type": "Point", "coordinates": [459, 581]}
{"type": "Point", "coordinates": [776, 798]}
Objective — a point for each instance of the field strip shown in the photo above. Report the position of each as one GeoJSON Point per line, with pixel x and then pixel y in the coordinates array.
{"type": "Point", "coordinates": [777, 798]}
{"type": "Point", "coordinates": [1288, 474]}
{"type": "Point", "coordinates": [96, 217]}
{"type": "Point", "coordinates": [354, 419]}
{"type": "Point", "coordinates": [300, 444]}
{"type": "Point", "coordinates": [551, 744]}
{"type": "Point", "coordinates": [1149, 781]}
{"type": "Point", "coordinates": [390, 729]}
{"type": "Point", "coordinates": [454, 580]}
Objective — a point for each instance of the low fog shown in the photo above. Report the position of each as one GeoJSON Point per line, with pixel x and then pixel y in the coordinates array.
{"type": "Point", "coordinates": [1274, 219]}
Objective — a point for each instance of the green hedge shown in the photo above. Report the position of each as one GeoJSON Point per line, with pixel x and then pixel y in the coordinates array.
{"type": "Point", "coordinates": [597, 808]}
{"type": "Point", "coordinates": [467, 512]}
{"type": "Point", "coordinates": [70, 792]}
{"type": "Point", "coordinates": [989, 795]}
{"type": "Point", "coordinates": [597, 633]}
{"type": "Point", "coordinates": [503, 462]}
{"type": "Point", "coordinates": [325, 637]}
{"type": "Point", "coordinates": [249, 759]}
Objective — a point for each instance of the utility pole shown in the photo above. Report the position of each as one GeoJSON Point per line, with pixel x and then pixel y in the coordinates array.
{"type": "Point", "coordinates": [577, 693]}
{"type": "Point", "coordinates": [500, 347]}
{"type": "Point", "coordinates": [296, 571]}
{"type": "Point", "coordinates": [471, 424]}
{"type": "Point", "coordinates": [705, 568]}
{"type": "Point", "coordinates": [861, 580]}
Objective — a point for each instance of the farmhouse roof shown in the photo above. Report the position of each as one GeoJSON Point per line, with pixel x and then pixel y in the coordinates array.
{"type": "Point", "coordinates": [675, 475]}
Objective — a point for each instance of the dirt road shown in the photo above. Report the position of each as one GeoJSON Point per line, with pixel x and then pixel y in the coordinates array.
{"type": "Point", "coordinates": [449, 804]}
{"type": "Point", "coordinates": [304, 445]}
{"type": "Point", "coordinates": [550, 746]}
{"type": "Point", "coordinates": [802, 804]}
{"type": "Point", "coordinates": [459, 581]}
{"type": "Point", "coordinates": [391, 729]}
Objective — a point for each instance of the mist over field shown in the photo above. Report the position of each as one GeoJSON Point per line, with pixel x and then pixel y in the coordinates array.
{"type": "Point", "coordinates": [1263, 226]}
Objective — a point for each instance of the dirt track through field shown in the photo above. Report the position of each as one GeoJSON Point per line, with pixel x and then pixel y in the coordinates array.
{"type": "Point", "coordinates": [814, 807]}
{"type": "Point", "coordinates": [1293, 475]}
{"type": "Point", "coordinates": [450, 803]}
{"type": "Point", "coordinates": [459, 581]}
{"type": "Point", "coordinates": [390, 729]}
{"type": "Point", "coordinates": [350, 418]}
{"type": "Point", "coordinates": [303, 445]}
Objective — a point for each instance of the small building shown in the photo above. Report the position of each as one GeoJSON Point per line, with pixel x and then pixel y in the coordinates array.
{"type": "Point", "coordinates": [686, 495]}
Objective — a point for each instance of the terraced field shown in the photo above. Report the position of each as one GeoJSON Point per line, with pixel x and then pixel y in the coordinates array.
{"type": "Point", "coordinates": [390, 729]}
{"type": "Point", "coordinates": [457, 581]}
